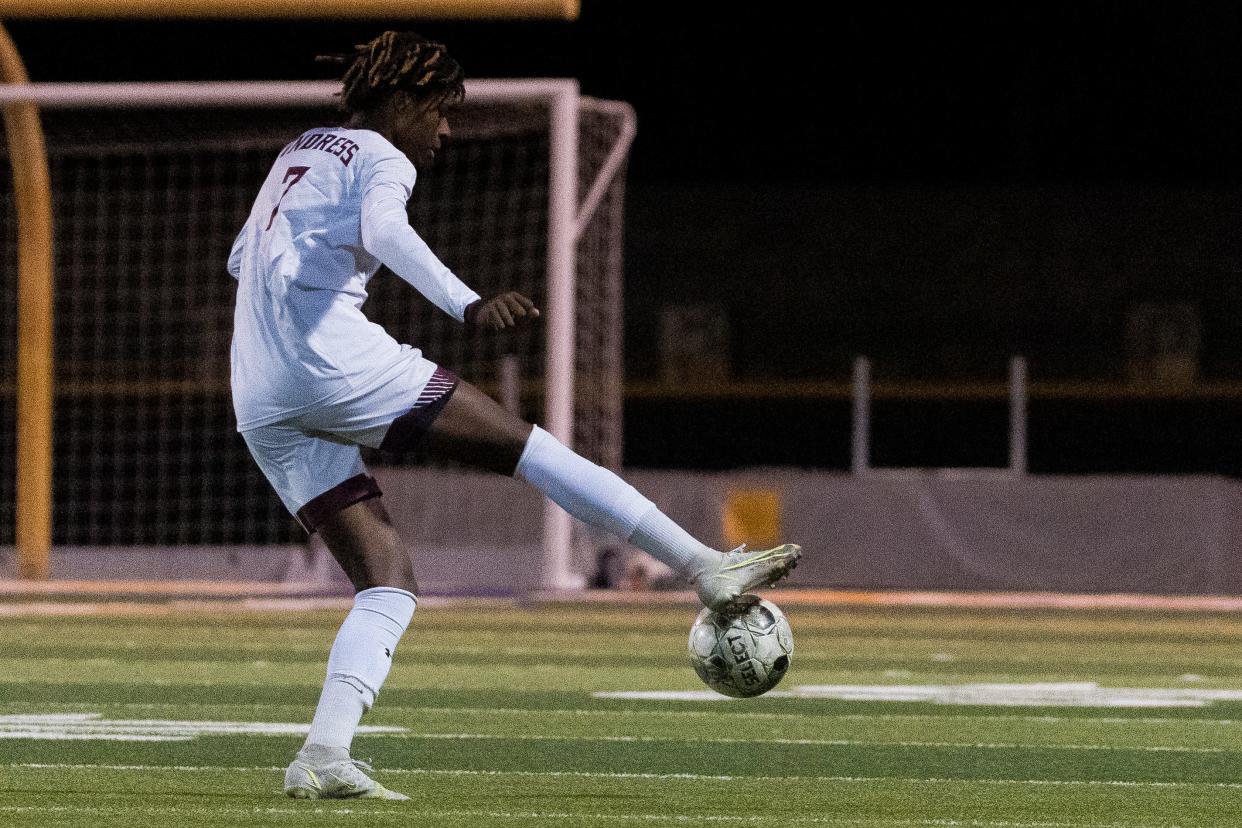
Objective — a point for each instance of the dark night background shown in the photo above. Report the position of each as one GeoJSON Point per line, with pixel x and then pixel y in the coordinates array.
{"type": "Point", "coordinates": [938, 188]}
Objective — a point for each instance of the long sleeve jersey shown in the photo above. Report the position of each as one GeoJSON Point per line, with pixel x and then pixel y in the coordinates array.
{"type": "Point", "coordinates": [332, 209]}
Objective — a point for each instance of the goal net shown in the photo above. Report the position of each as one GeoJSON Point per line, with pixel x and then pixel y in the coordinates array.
{"type": "Point", "coordinates": [147, 201]}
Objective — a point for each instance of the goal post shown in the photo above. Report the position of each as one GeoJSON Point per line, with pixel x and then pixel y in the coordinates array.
{"type": "Point", "coordinates": [525, 118]}
{"type": "Point", "coordinates": [32, 509]}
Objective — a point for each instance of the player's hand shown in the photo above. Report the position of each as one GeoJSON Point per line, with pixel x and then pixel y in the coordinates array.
{"type": "Point", "coordinates": [507, 310]}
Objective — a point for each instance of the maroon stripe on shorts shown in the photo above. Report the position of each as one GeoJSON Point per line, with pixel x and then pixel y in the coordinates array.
{"type": "Point", "coordinates": [356, 489]}
{"type": "Point", "coordinates": [406, 431]}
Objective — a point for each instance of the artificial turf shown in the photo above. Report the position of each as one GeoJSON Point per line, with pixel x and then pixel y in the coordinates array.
{"type": "Point", "coordinates": [499, 724]}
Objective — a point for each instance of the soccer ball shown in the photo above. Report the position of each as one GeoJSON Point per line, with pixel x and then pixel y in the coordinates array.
{"type": "Point", "coordinates": [741, 655]}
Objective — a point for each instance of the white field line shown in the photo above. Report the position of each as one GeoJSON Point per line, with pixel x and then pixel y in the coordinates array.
{"type": "Point", "coordinates": [54, 735]}
{"type": "Point", "coordinates": [810, 742]}
{"type": "Point", "coordinates": [691, 819]}
{"type": "Point", "coordinates": [716, 715]}
{"type": "Point", "coordinates": [692, 777]}
{"type": "Point", "coordinates": [1004, 678]}
{"type": "Point", "coordinates": [92, 726]}
{"type": "Point", "coordinates": [212, 648]}
{"type": "Point", "coordinates": [1007, 694]}
{"type": "Point", "coordinates": [671, 714]}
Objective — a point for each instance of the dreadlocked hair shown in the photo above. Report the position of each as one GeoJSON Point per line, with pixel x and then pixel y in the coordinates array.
{"type": "Point", "coordinates": [398, 61]}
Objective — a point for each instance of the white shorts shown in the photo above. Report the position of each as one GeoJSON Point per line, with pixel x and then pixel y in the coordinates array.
{"type": "Point", "coordinates": [313, 459]}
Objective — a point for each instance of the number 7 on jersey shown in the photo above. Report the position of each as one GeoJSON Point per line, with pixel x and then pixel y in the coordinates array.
{"type": "Point", "coordinates": [292, 176]}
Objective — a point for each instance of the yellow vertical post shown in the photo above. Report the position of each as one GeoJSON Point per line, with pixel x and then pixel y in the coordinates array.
{"type": "Point", "coordinates": [33, 198]}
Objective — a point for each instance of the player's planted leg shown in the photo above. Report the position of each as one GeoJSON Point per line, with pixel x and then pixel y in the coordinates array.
{"type": "Point", "coordinates": [362, 540]}
{"type": "Point", "coordinates": [319, 772]}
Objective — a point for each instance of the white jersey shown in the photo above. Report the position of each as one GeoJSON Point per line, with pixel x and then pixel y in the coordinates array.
{"type": "Point", "coordinates": [331, 210]}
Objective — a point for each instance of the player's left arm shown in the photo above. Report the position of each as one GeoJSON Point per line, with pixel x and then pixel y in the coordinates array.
{"type": "Point", "coordinates": [388, 236]}
{"type": "Point", "coordinates": [504, 311]}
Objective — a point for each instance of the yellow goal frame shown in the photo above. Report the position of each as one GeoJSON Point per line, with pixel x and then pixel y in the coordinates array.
{"type": "Point", "coordinates": [422, 9]}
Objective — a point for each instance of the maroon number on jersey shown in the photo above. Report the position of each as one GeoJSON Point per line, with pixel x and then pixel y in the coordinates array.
{"type": "Point", "coordinates": [292, 176]}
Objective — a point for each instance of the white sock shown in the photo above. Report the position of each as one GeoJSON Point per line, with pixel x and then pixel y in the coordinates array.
{"type": "Point", "coordinates": [359, 662]}
{"type": "Point", "coordinates": [661, 538]}
{"type": "Point", "coordinates": [600, 498]}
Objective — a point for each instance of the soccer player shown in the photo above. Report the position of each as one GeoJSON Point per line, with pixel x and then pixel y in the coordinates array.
{"type": "Point", "coordinates": [313, 380]}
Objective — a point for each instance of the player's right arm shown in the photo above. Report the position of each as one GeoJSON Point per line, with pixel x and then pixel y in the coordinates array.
{"type": "Point", "coordinates": [235, 255]}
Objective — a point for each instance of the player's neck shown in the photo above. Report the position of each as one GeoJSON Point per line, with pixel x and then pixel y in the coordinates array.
{"type": "Point", "coordinates": [367, 120]}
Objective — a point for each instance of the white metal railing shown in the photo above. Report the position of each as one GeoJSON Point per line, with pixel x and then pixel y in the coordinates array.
{"type": "Point", "coordinates": [860, 442]}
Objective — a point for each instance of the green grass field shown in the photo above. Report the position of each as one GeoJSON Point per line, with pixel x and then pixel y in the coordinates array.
{"type": "Point", "coordinates": [498, 724]}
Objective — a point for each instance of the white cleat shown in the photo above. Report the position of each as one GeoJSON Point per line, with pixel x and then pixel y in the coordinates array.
{"type": "Point", "coordinates": [319, 772]}
{"type": "Point", "coordinates": [723, 586]}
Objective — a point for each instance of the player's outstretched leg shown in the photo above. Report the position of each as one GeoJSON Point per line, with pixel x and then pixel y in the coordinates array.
{"type": "Point", "coordinates": [724, 584]}
{"type": "Point", "coordinates": [363, 541]}
{"type": "Point", "coordinates": [596, 496]}
{"type": "Point", "coordinates": [474, 429]}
